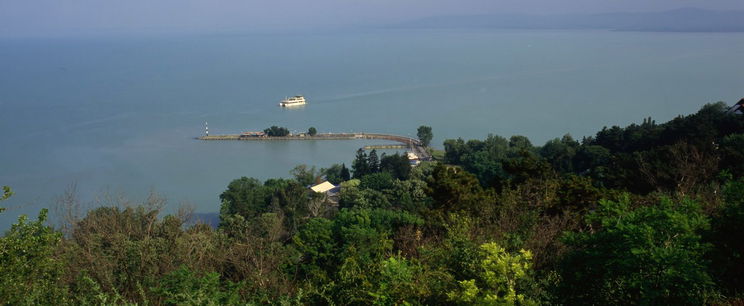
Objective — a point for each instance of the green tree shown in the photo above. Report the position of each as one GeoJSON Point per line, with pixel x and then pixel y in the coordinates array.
{"type": "Point", "coordinates": [349, 250]}
{"type": "Point", "coordinates": [184, 287]}
{"type": "Point", "coordinates": [458, 252]}
{"type": "Point", "coordinates": [356, 197]}
{"type": "Point", "coordinates": [244, 196]}
{"type": "Point", "coordinates": [248, 198]}
{"type": "Point", "coordinates": [454, 189]}
{"type": "Point", "coordinates": [424, 135]}
{"type": "Point", "coordinates": [305, 175]}
{"type": "Point", "coordinates": [500, 274]}
{"type": "Point", "coordinates": [333, 174]}
{"type": "Point", "coordinates": [316, 241]}
{"type": "Point", "coordinates": [373, 162]}
{"type": "Point", "coordinates": [336, 174]}
{"type": "Point", "coordinates": [397, 165]}
{"type": "Point", "coordinates": [255, 253]}
{"type": "Point", "coordinates": [360, 166]}
{"type": "Point", "coordinates": [484, 159]}
{"type": "Point", "coordinates": [576, 194]}
{"type": "Point", "coordinates": [86, 291]}
{"type": "Point", "coordinates": [365, 232]}
{"type": "Point", "coordinates": [410, 195]}
{"type": "Point", "coordinates": [454, 149]}
{"type": "Point", "coordinates": [293, 201]}
{"type": "Point", "coordinates": [276, 131]}
{"type": "Point", "coordinates": [349, 193]}
{"type": "Point", "coordinates": [7, 193]}
{"type": "Point", "coordinates": [125, 251]}
{"type": "Point", "coordinates": [650, 255]}
{"type": "Point", "coordinates": [560, 153]}
{"type": "Point", "coordinates": [527, 165]}
{"type": "Point", "coordinates": [489, 170]}
{"type": "Point", "coordinates": [29, 271]}
{"type": "Point", "coordinates": [396, 282]}
{"type": "Point", "coordinates": [518, 143]}
{"type": "Point", "coordinates": [380, 181]}
{"type": "Point", "coordinates": [312, 131]}
{"type": "Point", "coordinates": [402, 281]}
{"type": "Point", "coordinates": [726, 236]}
{"type": "Point", "coordinates": [345, 176]}
{"type": "Point", "coordinates": [732, 154]}
{"type": "Point", "coordinates": [593, 161]}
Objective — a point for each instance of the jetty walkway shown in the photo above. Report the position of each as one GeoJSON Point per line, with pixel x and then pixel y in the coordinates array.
{"type": "Point", "coordinates": [405, 142]}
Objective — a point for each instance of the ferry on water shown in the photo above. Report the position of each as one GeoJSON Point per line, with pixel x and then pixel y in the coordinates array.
{"type": "Point", "coordinates": [293, 101]}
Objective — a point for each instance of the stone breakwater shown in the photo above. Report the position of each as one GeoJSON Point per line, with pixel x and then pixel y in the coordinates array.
{"type": "Point", "coordinates": [406, 142]}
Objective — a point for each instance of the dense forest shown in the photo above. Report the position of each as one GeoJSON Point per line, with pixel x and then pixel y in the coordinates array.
{"type": "Point", "coordinates": [643, 214]}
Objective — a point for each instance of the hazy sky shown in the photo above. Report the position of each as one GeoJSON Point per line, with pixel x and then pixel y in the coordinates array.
{"type": "Point", "coordinates": [71, 17]}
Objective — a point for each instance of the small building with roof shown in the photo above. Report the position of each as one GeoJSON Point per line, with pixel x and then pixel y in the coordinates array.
{"type": "Point", "coordinates": [330, 192]}
{"type": "Point", "coordinates": [252, 134]}
{"type": "Point", "coordinates": [413, 159]}
{"type": "Point", "coordinates": [323, 187]}
{"type": "Point", "coordinates": [738, 108]}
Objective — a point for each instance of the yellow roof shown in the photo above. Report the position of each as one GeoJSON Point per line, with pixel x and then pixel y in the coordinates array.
{"type": "Point", "coordinates": [323, 187]}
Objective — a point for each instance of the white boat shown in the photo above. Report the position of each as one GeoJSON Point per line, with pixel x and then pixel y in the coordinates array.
{"type": "Point", "coordinates": [292, 101]}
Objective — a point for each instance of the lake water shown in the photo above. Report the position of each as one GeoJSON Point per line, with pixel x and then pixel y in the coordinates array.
{"type": "Point", "coordinates": [120, 114]}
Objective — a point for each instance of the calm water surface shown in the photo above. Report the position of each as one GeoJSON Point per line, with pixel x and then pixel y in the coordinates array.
{"type": "Point", "coordinates": [119, 115]}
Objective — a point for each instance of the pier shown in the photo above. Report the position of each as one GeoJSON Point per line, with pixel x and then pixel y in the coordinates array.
{"type": "Point", "coordinates": [385, 146]}
{"type": "Point", "coordinates": [404, 142]}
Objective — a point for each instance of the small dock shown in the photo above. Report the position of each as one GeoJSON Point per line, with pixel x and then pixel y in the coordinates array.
{"type": "Point", "coordinates": [404, 142]}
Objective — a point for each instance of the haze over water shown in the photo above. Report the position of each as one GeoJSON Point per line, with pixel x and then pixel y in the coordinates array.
{"type": "Point", "coordinates": [121, 114]}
